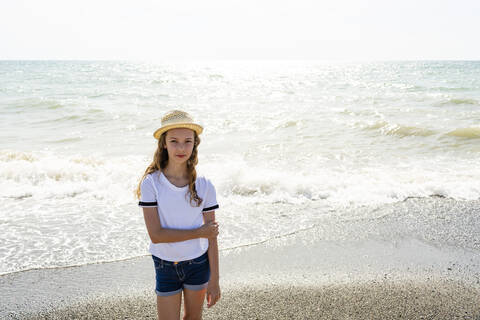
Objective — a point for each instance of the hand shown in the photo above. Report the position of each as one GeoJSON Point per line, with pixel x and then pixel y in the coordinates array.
{"type": "Point", "coordinates": [209, 230]}
{"type": "Point", "coordinates": [213, 293]}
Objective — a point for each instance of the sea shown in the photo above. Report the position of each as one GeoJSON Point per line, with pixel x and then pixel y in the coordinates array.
{"type": "Point", "coordinates": [288, 145]}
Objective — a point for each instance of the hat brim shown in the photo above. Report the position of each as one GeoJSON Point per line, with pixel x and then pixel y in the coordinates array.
{"type": "Point", "coordinates": [195, 127]}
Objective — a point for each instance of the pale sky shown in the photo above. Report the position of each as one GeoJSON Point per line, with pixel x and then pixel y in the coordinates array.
{"type": "Point", "coordinates": [244, 29]}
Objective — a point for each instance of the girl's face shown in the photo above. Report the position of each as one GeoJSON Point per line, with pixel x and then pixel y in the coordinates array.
{"type": "Point", "coordinates": [179, 143]}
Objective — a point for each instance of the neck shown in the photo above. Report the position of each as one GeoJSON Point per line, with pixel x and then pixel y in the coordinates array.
{"type": "Point", "coordinates": [175, 170]}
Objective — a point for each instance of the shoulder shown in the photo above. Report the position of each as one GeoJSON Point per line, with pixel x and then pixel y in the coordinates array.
{"type": "Point", "coordinates": [151, 177]}
{"type": "Point", "coordinates": [203, 182]}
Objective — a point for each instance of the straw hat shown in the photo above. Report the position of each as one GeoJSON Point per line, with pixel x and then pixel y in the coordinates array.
{"type": "Point", "coordinates": [177, 119]}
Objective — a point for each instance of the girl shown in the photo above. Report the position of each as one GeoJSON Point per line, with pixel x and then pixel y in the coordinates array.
{"type": "Point", "coordinates": [179, 212]}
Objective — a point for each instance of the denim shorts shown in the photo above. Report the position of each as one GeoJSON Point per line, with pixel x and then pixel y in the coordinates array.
{"type": "Point", "coordinates": [171, 277]}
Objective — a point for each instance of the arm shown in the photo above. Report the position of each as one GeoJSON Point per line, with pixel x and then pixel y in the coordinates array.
{"type": "Point", "coordinates": [213, 289]}
{"type": "Point", "coordinates": [158, 234]}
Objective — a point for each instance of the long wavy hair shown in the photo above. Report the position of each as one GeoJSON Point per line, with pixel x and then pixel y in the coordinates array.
{"type": "Point", "coordinates": [160, 161]}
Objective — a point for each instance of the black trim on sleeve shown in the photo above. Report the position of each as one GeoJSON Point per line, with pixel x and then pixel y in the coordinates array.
{"type": "Point", "coordinates": [210, 208]}
{"type": "Point", "coordinates": [147, 204]}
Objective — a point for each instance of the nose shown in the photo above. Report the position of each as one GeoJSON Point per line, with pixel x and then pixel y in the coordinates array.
{"type": "Point", "coordinates": [181, 146]}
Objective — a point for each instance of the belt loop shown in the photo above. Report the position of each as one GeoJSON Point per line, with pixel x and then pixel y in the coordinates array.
{"type": "Point", "coordinates": [161, 261]}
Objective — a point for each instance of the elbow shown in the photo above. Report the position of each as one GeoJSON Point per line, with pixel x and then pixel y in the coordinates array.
{"type": "Point", "coordinates": [157, 236]}
{"type": "Point", "coordinates": [159, 240]}
{"type": "Point", "coordinates": [154, 239]}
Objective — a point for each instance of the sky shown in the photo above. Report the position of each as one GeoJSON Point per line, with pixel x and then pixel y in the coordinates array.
{"type": "Point", "coordinates": [244, 29]}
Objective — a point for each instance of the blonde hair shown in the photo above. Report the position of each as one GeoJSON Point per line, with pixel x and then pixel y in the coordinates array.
{"type": "Point", "coordinates": [160, 161]}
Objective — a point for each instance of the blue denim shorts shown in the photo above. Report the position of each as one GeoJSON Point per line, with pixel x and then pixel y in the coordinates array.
{"type": "Point", "coordinates": [171, 277]}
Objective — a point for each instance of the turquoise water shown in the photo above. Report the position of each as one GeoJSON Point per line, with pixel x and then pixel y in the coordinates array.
{"type": "Point", "coordinates": [287, 143]}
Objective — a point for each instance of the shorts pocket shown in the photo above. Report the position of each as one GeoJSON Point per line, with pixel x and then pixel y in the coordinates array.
{"type": "Point", "coordinates": [157, 264]}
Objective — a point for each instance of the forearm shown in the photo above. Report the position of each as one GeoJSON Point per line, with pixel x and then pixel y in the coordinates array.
{"type": "Point", "coordinates": [174, 235]}
{"type": "Point", "coordinates": [213, 258]}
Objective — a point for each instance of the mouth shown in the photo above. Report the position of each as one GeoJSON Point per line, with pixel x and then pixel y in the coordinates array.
{"type": "Point", "coordinates": [180, 155]}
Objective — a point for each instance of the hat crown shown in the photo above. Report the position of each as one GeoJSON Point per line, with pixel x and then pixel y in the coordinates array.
{"type": "Point", "coordinates": [176, 116]}
{"type": "Point", "coordinates": [177, 119]}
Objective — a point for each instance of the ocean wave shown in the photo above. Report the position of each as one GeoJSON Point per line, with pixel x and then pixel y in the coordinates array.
{"type": "Point", "coordinates": [394, 129]}
{"type": "Point", "coordinates": [55, 106]}
{"type": "Point", "coordinates": [469, 133]}
{"type": "Point", "coordinates": [99, 95]}
{"type": "Point", "coordinates": [417, 88]}
{"type": "Point", "coordinates": [46, 175]}
{"type": "Point", "coordinates": [34, 104]}
{"type": "Point", "coordinates": [215, 76]}
{"type": "Point", "coordinates": [274, 191]}
{"type": "Point", "coordinates": [341, 184]}
{"type": "Point", "coordinates": [289, 124]}
{"type": "Point", "coordinates": [11, 155]}
{"type": "Point", "coordinates": [95, 110]}
{"type": "Point", "coordinates": [369, 191]}
{"type": "Point", "coordinates": [84, 118]}
{"type": "Point", "coordinates": [37, 166]}
{"type": "Point", "coordinates": [65, 140]}
{"type": "Point", "coordinates": [75, 118]}
{"type": "Point", "coordinates": [459, 101]}
{"type": "Point", "coordinates": [20, 197]}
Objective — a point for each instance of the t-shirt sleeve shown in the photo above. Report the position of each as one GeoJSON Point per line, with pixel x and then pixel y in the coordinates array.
{"type": "Point", "coordinates": [148, 197]}
{"type": "Point", "coordinates": [210, 201]}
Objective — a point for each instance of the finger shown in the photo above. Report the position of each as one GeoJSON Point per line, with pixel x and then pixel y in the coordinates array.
{"type": "Point", "coordinates": [215, 301]}
{"type": "Point", "coordinates": [209, 299]}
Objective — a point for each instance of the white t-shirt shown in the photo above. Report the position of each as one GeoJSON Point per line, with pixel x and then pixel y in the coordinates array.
{"type": "Point", "coordinates": [176, 212]}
